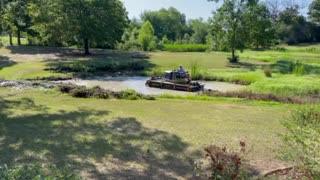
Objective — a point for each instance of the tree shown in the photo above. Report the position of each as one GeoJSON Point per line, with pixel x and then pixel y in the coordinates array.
{"type": "Point", "coordinates": [15, 18]}
{"type": "Point", "coordinates": [166, 22]}
{"type": "Point", "coordinates": [199, 30]}
{"type": "Point", "coordinates": [314, 11]}
{"type": "Point", "coordinates": [146, 36]}
{"type": "Point", "coordinates": [231, 17]}
{"type": "Point", "coordinates": [294, 28]}
{"type": "Point", "coordinates": [83, 22]}
{"type": "Point", "coordinates": [260, 28]}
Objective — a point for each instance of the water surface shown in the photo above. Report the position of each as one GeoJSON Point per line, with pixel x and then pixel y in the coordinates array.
{"type": "Point", "coordinates": [137, 83]}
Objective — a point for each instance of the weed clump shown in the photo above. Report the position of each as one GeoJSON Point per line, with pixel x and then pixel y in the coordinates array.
{"type": "Point", "coordinates": [267, 71]}
{"type": "Point", "coordinates": [98, 92]}
{"type": "Point", "coordinates": [222, 163]}
{"type": "Point", "coordinates": [79, 92]}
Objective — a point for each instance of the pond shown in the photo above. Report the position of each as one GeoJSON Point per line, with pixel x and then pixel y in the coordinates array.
{"type": "Point", "coordinates": [137, 83]}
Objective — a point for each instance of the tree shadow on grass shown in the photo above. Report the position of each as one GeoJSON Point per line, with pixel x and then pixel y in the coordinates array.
{"type": "Point", "coordinates": [66, 52]}
{"type": "Point", "coordinates": [246, 65]}
{"type": "Point", "coordinates": [80, 140]}
{"type": "Point", "coordinates": [6, 62]}
{"type": "Point", "coordinates": [33, 50]}
{"type": "Point", "coordinates": [123, 63]}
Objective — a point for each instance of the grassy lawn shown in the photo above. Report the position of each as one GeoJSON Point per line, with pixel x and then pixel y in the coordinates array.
{"type": "Point", "coordinates": [5, 40]}
{"type": "Point", "coordinates": [123, 138]}
{"type": "Point", "coordinates": [306, 53]}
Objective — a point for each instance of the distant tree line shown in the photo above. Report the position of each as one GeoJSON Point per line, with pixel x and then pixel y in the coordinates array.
{"type": "Point", "coordinates": [235, 25]}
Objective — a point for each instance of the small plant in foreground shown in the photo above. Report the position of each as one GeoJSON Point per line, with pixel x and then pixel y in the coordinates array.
{"type": "Point", "coordinates": [267, 71]}
{"type": "Point", "coordinates": [221, 163]}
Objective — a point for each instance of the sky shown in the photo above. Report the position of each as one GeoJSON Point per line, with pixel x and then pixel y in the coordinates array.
{"type": "Point", "coordinates": [191, 8]}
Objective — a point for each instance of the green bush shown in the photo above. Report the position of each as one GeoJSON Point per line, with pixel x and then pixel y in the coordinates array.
{"type": "Point", "coordinates": [100, 93]}
{"type": "Point", "coordinates": [80, 92]}
{"type": "Point", "coordinates": [302, 139]}
{"type": "Point", "coordinates": [186, 47]}
{"type": "Point", "coordinates": [130, 95]}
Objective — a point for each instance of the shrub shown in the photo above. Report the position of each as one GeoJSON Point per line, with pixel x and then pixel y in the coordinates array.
{"type": "Point", "coordinates": [79, 92]}
{"type": "Point", "coordinates": [130, 95]}
{"type": "Point", "coordinates": [98, 92]}
{"type": "Point", "coordinates": [186, 47]}
{"type": "Point", "coordinates": [303, 133]}
{"type": "Point", "coordinates": [66, 88]}
{"type": "Point", "coordinates": [221, 163]}
{"type": "Point", "coordinates": [267, 71]}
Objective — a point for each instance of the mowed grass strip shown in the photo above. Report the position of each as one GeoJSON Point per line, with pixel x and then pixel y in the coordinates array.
{"type": "Point", "coordinates": [111, 136]}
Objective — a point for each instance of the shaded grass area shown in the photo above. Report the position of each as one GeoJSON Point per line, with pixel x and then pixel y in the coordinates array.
{"type": "Point", "coordinates": [120, 138]}
{"type": "Point", "coordinates": [186, 47]}
{"type": "Point", "coordinates": [5, 62]}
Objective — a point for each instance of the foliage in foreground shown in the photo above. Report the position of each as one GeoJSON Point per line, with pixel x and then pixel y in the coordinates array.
{"type": "Point", "coordinates": [302, 139]}
{"type": "Point", "coordinates": [34, 172]}
{"type": "Point", "coordinates": [222, 163]}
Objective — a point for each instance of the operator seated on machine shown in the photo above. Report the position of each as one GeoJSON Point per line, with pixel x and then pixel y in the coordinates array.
{"type": "Point", "coordinates": [181, 70]}
{"type": "Point", "coordinates": [183, 73]}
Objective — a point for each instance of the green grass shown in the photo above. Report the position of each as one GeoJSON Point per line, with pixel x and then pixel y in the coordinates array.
{"type": "Point", "coordinates": [28, 70]}
{"type": "Point", "coordinates": [306, 54]}
{"type": "Point", "coordinates": [113, 136]}
{"type": "Point", "coordinates": [186, 47]}
{"type": "Point", "coordinates": [288, 85]}
{"type": "Point", "coordinates": [5, 40]}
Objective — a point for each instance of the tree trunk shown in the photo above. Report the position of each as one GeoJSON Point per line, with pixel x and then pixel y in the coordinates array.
{"type": "Point", "coordinates": [86, 46]}
{"type": "Point", "coordinates": [10, 39]}
{"type": "Point", "coordinates": [233, 58]}
{"type": "Point", "coordinates": [19, 37]}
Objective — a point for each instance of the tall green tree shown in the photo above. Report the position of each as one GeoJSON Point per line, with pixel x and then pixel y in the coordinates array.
{"type": "Point", "coordinates": [199, 30]}
{"type": "Point", "coordinates": [314, 11]}
{"type": "Point", "coordinates": [294, 28]}
{"type": "Point", "coordinates": [83, 22]}
{"type": "Point", "coordinates": [15, 19]}
{"type": "Point", "coordinates": [231, 16]}
{"type": "Point", "coordinates": [146, 36]}
{"type": "Point", "coordinates": [260, 27]}
{"type": "Point", "coordinates": [166, 22]}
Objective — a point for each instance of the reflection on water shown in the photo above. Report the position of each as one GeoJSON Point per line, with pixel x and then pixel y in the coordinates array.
{"type": "Point", "coordinates": [137, 83]}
